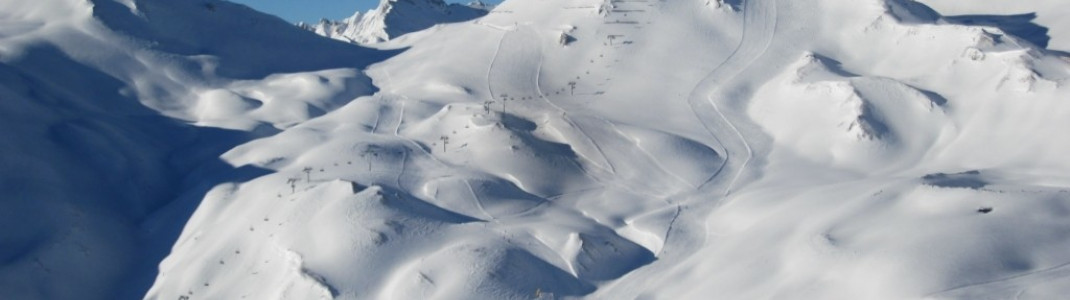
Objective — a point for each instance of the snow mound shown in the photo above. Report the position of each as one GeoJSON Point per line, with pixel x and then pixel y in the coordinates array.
{"type": "Point", "coordinates": [537, 165]}
{"type": "Point", "coordinates": [853, 119]}
{"type": "Point", "coordinates": [325, 222]}
{"type": "Point", "coordinates": [497, 272]}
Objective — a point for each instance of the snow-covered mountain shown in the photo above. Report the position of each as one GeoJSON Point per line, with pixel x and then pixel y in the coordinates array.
{"type": "Point", "coordinates": [394, 18]}
{"type": "Point", "coordinates": [601, 149]}
{"type": "Point", "coordinates": [115, 114]}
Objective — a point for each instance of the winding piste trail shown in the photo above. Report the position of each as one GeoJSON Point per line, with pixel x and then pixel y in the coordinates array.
{"type": "Point", "coordinates": [518, 51]}
{"type": "Point", "coordinates": [759, 24]}
{"type": "Point", "coordinates": [516, 74]}
{"type": "Point", "coordinates": [687, 233]}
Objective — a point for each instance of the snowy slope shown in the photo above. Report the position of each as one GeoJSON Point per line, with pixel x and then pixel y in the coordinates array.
{"type": "Point", "coordinates": [688, 149]}
{"type": "Point", "coordinates": [394, 18]}
{"type": "Point", "coordinates": [116, 113]}
{"type": "Point", "coordinates": [685, 149]}
{"type": "Point", "coordinates": [1040, 20]}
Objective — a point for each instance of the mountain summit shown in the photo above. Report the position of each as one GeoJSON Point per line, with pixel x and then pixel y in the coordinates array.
{"type": "Point", "coordinates": [394, 18]}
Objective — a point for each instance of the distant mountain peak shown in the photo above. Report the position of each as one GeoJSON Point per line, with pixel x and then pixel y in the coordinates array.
{"type": "Point", "coordinates": [394, 18]}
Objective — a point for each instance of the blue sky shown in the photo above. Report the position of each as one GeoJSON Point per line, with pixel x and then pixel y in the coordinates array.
{"type": "Point", "coordinates": [313, 10]}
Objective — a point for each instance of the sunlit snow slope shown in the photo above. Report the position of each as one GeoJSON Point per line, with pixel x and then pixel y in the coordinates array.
{"type": "Point", "coordinates": [637, 149]}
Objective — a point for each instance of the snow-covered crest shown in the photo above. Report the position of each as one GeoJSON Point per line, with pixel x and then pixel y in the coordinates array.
{"type": "Point", "coordinates": [393, 18]}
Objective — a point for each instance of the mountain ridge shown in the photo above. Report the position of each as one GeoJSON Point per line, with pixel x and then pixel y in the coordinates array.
{"type": "Point", "coordinates": [394, 18]}
{"type": "Point", "coordinates": [826, 149]}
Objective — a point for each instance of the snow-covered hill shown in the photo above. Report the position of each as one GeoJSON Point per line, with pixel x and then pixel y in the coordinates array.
{"type": "Point", "coordinates": [394, 18]}
{"type": "Point", "coordinates": [115, 114]}
{"type": "Point", "coordinates": [686, 149]}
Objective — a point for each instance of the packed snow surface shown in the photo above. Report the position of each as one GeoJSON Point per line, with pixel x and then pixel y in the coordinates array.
{"type": "Point", "coordinates": [601, 149]}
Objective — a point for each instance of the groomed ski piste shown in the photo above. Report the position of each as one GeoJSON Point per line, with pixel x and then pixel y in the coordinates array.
{"type": "Point", "coordinates": [551, 149]}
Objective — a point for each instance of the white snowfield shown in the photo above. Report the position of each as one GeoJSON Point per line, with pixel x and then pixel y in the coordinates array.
{"type": "Point", "coordinates": [631, 149]}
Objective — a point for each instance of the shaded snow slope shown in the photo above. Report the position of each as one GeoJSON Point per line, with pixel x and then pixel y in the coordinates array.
{"type": "Point", "coordinates": [692, 149]}
{"type": "Point", "coordinates": [116, 113]}
{"type": "Point", "coordinates": [1040, 21]}
{"type": "Point", "coordinates": [394, 18]}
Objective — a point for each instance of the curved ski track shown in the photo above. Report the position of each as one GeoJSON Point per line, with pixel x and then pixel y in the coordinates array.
{"type": "Point", "coordinates": [759, 23]}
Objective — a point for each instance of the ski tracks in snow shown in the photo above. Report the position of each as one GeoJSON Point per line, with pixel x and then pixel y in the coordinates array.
{"type": "Point", "coordinates": [759, 24]}
{"type": "Point", "coordinates": [396, 123]}
{"type": "Point", "coordinates": [516, 67]}
{"type": "Point", "coordinates": [516, 70]}
{"type": "Point", "coordinates": [1015, 284]}
{"type": "Point", "coordinates": [525, 45]}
